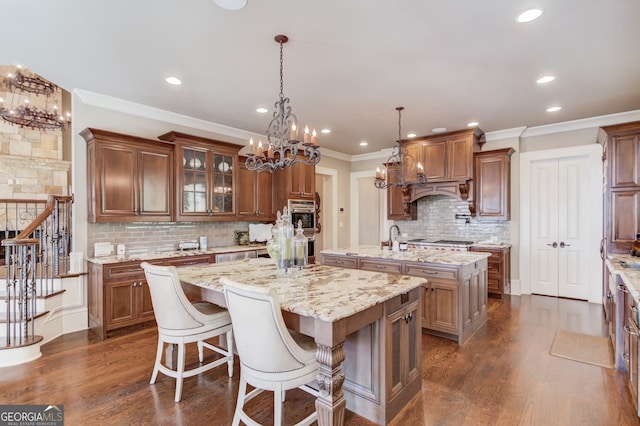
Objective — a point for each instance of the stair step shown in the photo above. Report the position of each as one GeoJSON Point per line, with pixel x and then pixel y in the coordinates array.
{"type": "Point", "coordinates": [3, 294]}
{"type": "Point", "coordinates": [32, 340]}
{"type": "Point", "coordinates": [3, 317]}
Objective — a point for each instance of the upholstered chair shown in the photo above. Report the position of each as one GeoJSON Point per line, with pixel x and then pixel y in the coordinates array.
{"type": "Point", "coordinates": [270, 358]}
{"type": "Point", "coordinates": [181, 322]}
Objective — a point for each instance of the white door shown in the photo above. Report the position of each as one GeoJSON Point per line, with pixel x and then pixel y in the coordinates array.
{"type": "Point", "coordinates": [559, 203]}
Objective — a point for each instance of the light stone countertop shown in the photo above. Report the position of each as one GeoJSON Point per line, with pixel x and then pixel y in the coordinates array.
{"type": "Point", "coordinates": [324, 292]}
{"type": "Point", "coordinates": [152, 255]}
{"type": "Point", "coordinates": [428, 255]}
{"type": "Point", "coordinates": [630, 276]}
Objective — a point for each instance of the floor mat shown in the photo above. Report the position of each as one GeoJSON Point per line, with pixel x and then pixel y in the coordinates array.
{"type": "Point", "coordinates": [581, 347]}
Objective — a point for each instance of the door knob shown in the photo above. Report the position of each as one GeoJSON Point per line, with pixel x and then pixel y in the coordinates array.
{"type": "Point", "coordinates": [554, 245]}
{"type": "Point", "coordinates": [563, 245]}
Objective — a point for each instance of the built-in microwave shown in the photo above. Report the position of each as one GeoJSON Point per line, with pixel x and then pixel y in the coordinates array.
{"type": "Point", "coordinates": [304, 211]}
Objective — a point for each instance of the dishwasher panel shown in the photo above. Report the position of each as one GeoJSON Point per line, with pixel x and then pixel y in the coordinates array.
{"type": "Point", "coordinates": [238, 255]}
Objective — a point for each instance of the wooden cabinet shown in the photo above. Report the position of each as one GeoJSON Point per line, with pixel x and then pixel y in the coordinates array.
{"type": "Point", "coordinates": [493, 184]}
{"type": "Point", "coordinates": [254, 194]}
{"type": "Point", "coordinates": [622, 185]}
{"type": "Point", "coordinates": [118, 294]}
{"type": "Point", "coordinates": [449, 156]}
{"type": "Point", "coordinates": [630, 343]}
{"type": "Point", "coordinates": [297, 182]}
{"type": "Point", "coordinates": [403, 348]}
{"type": "Point", "coordinates": [206, 173]}
{"type": "Point", "coordinates": [129, 179]}
{"type": "Point", "coordinates": [454, 298]}
{"type": "Point", "coordinates": [498, 269]}
{"type": "Point", "coordinates": [399, 206]}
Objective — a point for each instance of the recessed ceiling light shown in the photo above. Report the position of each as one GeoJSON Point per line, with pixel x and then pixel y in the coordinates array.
{"type": "Point", "coordinates": [439, 130]}
{"type": "Point", "coordinates": [411, 135]}
{"type": "Point", "coordinates": [529, 15]}
{"type": "Point", "coordinates": [325, 131]}
{"type": "Point", "coordinates": [545, 79]}
{"type": "Point", "coordinates": [262, 110]}
{"type": "Point", "coordinates": [231, 4]}
{"type": "Point", "coordinates": [364, 143]}
{"type": "Point", "coordinates": [472, 124]}
{"type": "Point", "coordinates": [554, 109]}
{"type": "Point", "coordinates": [173, 80]}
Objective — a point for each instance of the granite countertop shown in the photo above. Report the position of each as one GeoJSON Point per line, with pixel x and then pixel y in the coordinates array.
{"type": "Point", "coordinates": [492, 244]}
{"type": "Point", "coordinates": [630, 276]}
{"type": "Point", "coordinates": [151, 255]}
{"type": "Point", "coordinates": [412, 255]}
{"type": "Point", "coordinates": [324, 292]}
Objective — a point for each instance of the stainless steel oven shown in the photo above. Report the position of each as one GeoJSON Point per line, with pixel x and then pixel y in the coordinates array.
{"type": "Point", "coordinates": [304, 211]}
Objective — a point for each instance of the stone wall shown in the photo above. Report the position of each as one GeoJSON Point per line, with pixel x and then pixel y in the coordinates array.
{"type": "Point", "coordinates": [31, 165]}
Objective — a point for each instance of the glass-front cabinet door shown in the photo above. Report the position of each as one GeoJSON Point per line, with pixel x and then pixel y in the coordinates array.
{"type": "Point", "coordinates": [194, 174]}
{"type": "Point", "coordinates": [222, 183]}
{"type": "Point", "coordinates": [207, 186]}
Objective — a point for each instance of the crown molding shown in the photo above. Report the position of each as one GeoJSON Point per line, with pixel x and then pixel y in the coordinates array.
{"type": "Point", "coordinates": [583, 123]}
{"type": "Point", "coordinates": [516, 132]}
{"type": "Point", "coordinates": [132, 108]}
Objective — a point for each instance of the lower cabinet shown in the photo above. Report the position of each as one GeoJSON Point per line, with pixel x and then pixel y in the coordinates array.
{"type": "Point", "coordinates": [118, 294]}
{"type": "Point", "coordinates": [403, 351]}
{"type": "Point", "coordinates": [499, 269]}
{"type": "Point", "coordinates": [454, 299]}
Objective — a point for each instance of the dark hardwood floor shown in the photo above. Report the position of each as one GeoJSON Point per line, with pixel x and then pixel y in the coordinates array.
{"type": "Point", "coordinates": [504, 375]}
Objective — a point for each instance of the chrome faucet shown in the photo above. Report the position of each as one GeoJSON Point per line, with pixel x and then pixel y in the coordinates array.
{"type": "Point", "coordinates": [390, 242]}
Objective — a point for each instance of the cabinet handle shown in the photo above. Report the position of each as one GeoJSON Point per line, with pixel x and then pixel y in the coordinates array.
{"type": "Point", "coordinates": [408, 317]}
{"type": "Point", "coordinates": [339, 262]}
{"type": "Point", "coordinates": [379, 266]}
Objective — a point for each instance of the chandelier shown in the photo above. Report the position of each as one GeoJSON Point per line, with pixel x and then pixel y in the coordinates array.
{"type": "Point", "coordinates": [399, 165]}
{"type": "Point", "coordinates": [283, 149]}
{"type": "Point", "coordinates": [25, 114]}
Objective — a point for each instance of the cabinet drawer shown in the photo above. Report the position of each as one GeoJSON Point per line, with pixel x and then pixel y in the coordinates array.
{"type": "Point", "coordinates": [125, 271]}
{"type": "Point", "coordinates": [381, 266]}
{"type": "Point", "coordinates": [431, 272]}
{"type": "Point", "coordinates": [340, 261]}
{"type": "Point", "coordinates": [188, 260]}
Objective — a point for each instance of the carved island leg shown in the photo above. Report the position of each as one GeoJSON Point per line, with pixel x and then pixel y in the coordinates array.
{"type": "Point", "coordinates": [330, 403]}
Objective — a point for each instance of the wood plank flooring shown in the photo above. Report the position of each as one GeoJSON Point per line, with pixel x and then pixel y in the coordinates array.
{"type": "Point", "coordinates": [504, 375]}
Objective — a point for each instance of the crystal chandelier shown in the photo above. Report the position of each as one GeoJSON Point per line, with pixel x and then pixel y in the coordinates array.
{"type": "Point", "coordinates": [25, 114]}
{"type": "Point", "coordinates": [283, 149]}
{"type": "Point", "coordinates": [399, 165]}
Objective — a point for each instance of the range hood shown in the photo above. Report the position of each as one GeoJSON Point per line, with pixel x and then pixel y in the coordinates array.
{"type": "Point", "coordinates": [456, 189]}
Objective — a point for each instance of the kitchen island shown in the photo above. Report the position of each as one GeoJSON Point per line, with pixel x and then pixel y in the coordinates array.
{"type": "Point", "coordinates": [364, 325]}
{"type": "Point", "coordinates": [454, 297]}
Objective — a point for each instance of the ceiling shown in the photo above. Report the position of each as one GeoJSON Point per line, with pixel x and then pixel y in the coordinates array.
{"type": "Point", "coordinates": [348, 63]}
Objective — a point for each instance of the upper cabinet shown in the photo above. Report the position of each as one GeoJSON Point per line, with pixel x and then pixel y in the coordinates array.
{"type": "Point", "coordinates": [297, 182]}
{"type": "Point", "coordinates": [449, 156]}
{"type": "Point", "coordinates": [129, 179]}
{"type": "Point", "coordinates": [622, 190]}
{"type": "Point", "coordinates": [493, 184]}
{"type": "Point", "coordinates": [206, 174]}
{"type": "Point", "coordinates": [254, 194]}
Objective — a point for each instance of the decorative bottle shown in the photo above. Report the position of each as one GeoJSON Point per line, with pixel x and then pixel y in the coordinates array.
{"type": "Point", "coordinates": [300, 247]}
{"type": "Point", "coordinates": [285, 260]}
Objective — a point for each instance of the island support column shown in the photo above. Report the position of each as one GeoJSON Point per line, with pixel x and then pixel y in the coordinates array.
{"type": "Point", "coordinates": [330, 403]}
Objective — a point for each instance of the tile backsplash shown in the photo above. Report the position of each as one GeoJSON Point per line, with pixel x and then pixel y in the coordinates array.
{"type": "Point", "coordinates": [145, 237]}
{"type": "Point", "coordinates": [437, 220]}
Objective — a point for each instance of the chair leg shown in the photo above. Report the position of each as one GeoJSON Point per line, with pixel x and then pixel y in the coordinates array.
{"type": "Point", "coordinates": [230, 350]}
{"type": "Point", "coordinates": [180, 371]}
{"type": "Point", "coordinates": [277, 407]}
{"type": "Point", "coordinates": [200, 350]}
{"type": "Point", "coordinates": [154, 375]}
{"type": "Point", "coordinates": [242, 393]}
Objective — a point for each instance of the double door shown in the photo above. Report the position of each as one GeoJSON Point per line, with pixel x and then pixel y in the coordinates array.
{"type": "Point", "coordinates": [559, 206]}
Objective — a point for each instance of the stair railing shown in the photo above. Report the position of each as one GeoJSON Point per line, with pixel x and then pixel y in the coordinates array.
{"type": "Point", "coordinates": [33, 258]}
